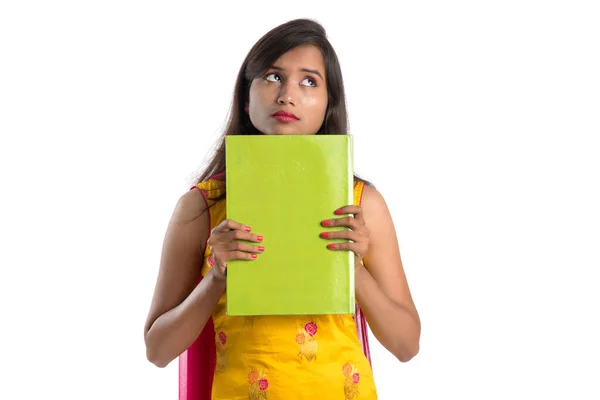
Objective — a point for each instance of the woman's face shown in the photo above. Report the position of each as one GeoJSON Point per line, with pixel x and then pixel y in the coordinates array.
{"type": "Point", "coordinates": [291, 97]}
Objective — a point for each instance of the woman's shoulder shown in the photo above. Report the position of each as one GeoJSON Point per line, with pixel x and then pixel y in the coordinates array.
{"type": "Point", "coordinates": [370, 193]}
{"type": "Point", "coordinates": [190, 206]}
{"type": "Point", "coordinates": [374, 206]}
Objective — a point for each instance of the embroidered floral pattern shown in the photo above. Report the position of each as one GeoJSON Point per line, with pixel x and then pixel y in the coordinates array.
{"type": "Point", "coordinates": [311, 328]}
{"type": "Point", "coordinates": [221, 350]}
{"type": "Point", "coordinates": [307, 344]}
{"type": "Point", "coordinates": [258, 385]}
{"type": "Point", "coordinates": [351, 382]}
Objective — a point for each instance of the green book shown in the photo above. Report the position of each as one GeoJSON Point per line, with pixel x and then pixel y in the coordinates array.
{"type": "Point", "coordinates": [283, 186]}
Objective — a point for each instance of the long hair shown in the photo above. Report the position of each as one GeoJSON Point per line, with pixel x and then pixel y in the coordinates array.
{"type": "Point", "coordinates": [261, 57]}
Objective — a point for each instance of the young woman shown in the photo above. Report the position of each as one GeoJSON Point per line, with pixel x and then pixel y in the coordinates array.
{"type": "Point", "coordinates": [289, 84]}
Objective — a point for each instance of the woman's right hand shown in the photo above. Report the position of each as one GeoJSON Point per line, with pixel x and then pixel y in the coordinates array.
{"type": "Point", "coordinates": [224, 243]}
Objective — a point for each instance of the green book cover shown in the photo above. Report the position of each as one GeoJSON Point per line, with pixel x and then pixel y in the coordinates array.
{"type": "Point", "coordinates": [283, 186]}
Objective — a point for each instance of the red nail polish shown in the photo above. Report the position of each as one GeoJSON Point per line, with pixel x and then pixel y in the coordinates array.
{"type": "Point", "coordinates": [259, 238]}
{"type": "Point", "coordinates": [324, 235]}
{"type": "Point", "coordinates": [254, 255]}
{"type": "Point", "coordinates": [261, 248]}
{"type": "Point", "coordinates": [326, 223]}
{"type": "Point", "coordinates": [331, 246]}
{"type": "Point", "coordinates": [247, 228]}
{"type": "Point", "coordinates": [338, 212]}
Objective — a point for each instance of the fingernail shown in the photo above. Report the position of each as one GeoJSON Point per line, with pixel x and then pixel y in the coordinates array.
{"type": "Point", "coordinates": [331, 246]}
{"type": "Point", "coordinates": [254, 255]}
{"type": "Point", "coordinates": [259, 238]}
{"type": "Point", "coordinates": [326, 223]}
{"type": "Point", "coordinates": [324, 235]}
{"type": "Point", "coordinates": [261, 248]}
{"type": "Point", "coordinates": [247, 228]}
{"type": "Point", "coordinates": [338, 212]}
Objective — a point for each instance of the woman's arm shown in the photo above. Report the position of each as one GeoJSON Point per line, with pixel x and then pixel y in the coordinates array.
{"type": "Point", "coordinates": [381, 288]}
{"type": "Point", "coordinates": [180, 308]}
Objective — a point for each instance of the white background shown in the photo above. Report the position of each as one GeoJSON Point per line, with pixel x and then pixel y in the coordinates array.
{"type": "Point", "coordinates": [477, 121]}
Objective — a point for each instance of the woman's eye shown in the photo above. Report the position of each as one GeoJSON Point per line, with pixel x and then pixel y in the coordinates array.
{"type": "Point", "coordinates": [272, 77]}
{"type": "Point", "coordinates": [311, 82]}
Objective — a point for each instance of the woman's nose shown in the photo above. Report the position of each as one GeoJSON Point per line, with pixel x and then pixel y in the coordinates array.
{"type": "Point", "coordinates": [287, 94]}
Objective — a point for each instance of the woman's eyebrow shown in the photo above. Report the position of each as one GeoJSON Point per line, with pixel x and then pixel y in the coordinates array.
{"type": "Point", "coordinates": [312, 71]}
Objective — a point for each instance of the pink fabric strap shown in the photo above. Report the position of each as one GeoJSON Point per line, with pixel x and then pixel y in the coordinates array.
{"type": "Point", "coordinates": [197, 366]}
{"type": "Point", "coordinates": [363, 332]}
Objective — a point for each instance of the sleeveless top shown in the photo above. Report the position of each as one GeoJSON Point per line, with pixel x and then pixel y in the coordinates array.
{"type": "Point", "coordinates": [284, 357]}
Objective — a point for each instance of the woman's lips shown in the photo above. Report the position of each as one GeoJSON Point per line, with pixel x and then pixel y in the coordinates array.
{"type": "Point", "coordinates": [284, 116]}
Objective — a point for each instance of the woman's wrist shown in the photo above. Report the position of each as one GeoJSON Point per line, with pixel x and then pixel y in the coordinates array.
{"type": "Point", "coordinates": [217, 278]}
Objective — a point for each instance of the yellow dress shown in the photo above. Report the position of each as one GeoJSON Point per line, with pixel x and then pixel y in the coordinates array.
{"type": "Point", "coordinates": [285, 357]}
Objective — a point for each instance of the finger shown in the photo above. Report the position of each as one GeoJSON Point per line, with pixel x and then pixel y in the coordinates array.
{"type": "Point", "coordinates": [220, 237]}
{"type": "Point", "coordinates": [351, 209]}
{"type": "Point", "coordinates": [229, 225]}
{"type": "Point", "coordinates": [235, 246]}
{"type": "Point", "coordinates": [356, 248]}
{"type": "Point", "coordinates": [239, 255]}
{"type": "Point", "coordinates": [240, 235]}
{"type": "Point", "coordinates": [350, 222]}
{"type": "Point", "coordinates": [347, 234]}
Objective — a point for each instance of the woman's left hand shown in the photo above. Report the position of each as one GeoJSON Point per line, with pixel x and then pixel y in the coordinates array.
{"type": "Point", "coordinates": [358, 233]}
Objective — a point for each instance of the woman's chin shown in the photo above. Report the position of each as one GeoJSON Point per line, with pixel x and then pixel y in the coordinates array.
{"type": "Point", "coordinates": [287, 130]}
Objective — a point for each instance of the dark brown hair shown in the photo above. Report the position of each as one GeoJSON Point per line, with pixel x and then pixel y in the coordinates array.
{"type": "Point", "coordinates": [260, 58]}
